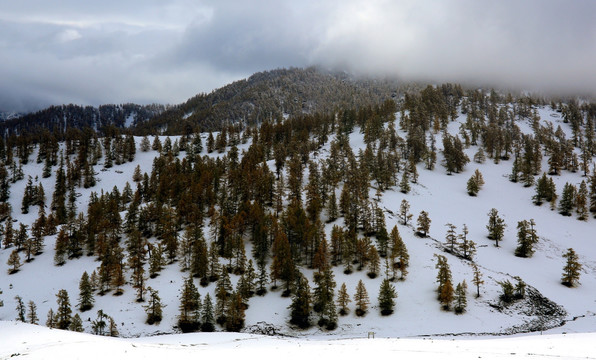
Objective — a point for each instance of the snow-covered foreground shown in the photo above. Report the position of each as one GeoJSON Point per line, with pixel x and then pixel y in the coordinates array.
{"type": "Point", "coordinates": [35, 342]}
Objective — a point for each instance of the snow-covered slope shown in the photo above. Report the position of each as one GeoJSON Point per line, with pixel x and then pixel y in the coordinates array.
{"type": "Point", "coordinates": [417, 313]}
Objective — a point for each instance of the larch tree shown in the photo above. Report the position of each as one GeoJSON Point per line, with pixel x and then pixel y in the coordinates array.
{"type": "Point", "coordinates": [467, 248]}
{"type": "Point", "coordinates": [445, 288]}
{"type": "Point", "coordinates": [451, 237]}
{"type": "Point", "coordinates": [423, 224]}
{"type": "Point", "coordinates": [343, 299]}
{"type": "Point", "coordinates": [571, 270]}
{"type": "Point", "coordinates": [361, 299]}
{"type": "Point", "coordinates": [76, 324]}
{"type": "Point", "coordinates": [190, 306]}
{"type": "Point", "coordinates": [404, 212]}
{"type": "Point", "coordinates": [32, 313]}
{"type": "Point", "coordinates": [21, 311]}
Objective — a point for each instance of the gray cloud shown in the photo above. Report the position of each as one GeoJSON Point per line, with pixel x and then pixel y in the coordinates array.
{"type": "Point", "coordinates": [155, 51]}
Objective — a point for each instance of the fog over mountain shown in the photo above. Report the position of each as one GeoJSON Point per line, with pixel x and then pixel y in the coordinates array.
{"type": "Point", "coordinates": [155, 51]}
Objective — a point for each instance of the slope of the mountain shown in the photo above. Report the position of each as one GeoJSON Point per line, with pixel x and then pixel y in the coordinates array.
{"type": "Point", "coordinates": [57, 119]}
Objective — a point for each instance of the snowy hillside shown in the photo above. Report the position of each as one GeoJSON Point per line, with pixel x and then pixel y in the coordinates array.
{"type": "Point", "coordinates": [548, 305]}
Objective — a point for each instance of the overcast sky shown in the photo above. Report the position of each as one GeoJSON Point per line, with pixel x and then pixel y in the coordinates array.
{"type": "Point", "coordinates": [114, 51]}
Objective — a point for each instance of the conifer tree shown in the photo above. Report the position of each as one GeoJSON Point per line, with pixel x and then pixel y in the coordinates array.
{"type": "Point", "coordinates": [467, 248]}
{"type": "Point", "coordinates": [207, 319]}
{"type": "Point", "coordinates": [387, 295]}
{"type": "Point", "coordinates": [460, 301]}
{"type": "Point", "coordinates": [374, 262]}
{"type": "Point", "coordinates": [399, 254]}
{"type": "Point", "coordinates": [153, 307]}
{"type": "Point", "coordinates": [112, 327]}
{"type": "Point", "coordinates": [361, 299]}
{"type": "Point", "coordinates": [76, 324]}
{"type": "Point", "coordinates": [86, 299]}
{"type": "Point", "coordinates": [404, 212]}
{"type": "Point", "coordinates": [404, 184]}
{"type": "Point", "coordinates": [496, 226]}
{"type": "Point", "coordinates": [526, 238]}
{"type": "Point", "coordinates": [301, 304]}
{"type": "Point", "coordinates": [51, 319]}
{"type": "Point", "coordinates": [581, 202]}
{"type": "Point", "coordinates": [14, 262]}
{"type": "Point", "coordinates": [472, 186]}
{"type": "Point", "coordinates": [571, 270]}
{"type": "Point", "coordinates": [567, 202]}
{"type": "Point", "coordinates": [445, 288]}
{"type": "Point", "coordinates": [99, 324]}
{"type": "Point", "coordinates": [21, 311]}
{"type": "Point", "coordinates": [451, 237]}
{"type": "Point", "coordinates": [32, 313]}
{"type": "Point", "coordinates": [63, 314]}
{"type": "Point", "coordinates": [423, 224]}
{"type": "Point", "coordinates": [343, 299]}
{"type": "Point", "coordinates": [190, 306]}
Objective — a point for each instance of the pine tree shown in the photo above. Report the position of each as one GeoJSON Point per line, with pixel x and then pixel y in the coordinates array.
{"type": "Point", "coordinates": [76, 324]}
{"type": "Point", "coordinates": [387, 295]}
{"type": "Point", "coordinates": [343, 299]}
{"type": "Point", "coordinates": [361, 299]}
{"type": "Point", "coordinates": [526, 238]}
{"type": "Point", "coordinates": [32, 314]}
{"type": "Point", "coordinates": [451, 237]}
{"type": "Point", "coordinates": [99, 324]}
{"type": "Point", "coordinates": [14, 261]}
{"type": "Point", "coordinates": [460, 301]}
{"type": "Point", "coordinates": [445, 288]}
{"type": "Point", "coordinates": [301, 304]}
{"type": "Point", "coordinates": [567, 202]}
{"type": "Point", "coordinates": [496, 226]}
{"type": "Point", "coordinates": [507, 289]}
{"type": "Point", "coordinates": [423, 222]}
{"type": "Point", "coordinates": [581, 202]}
{"type": "Point", "coordinates": [467, 248]}
{"type": "Point", "coordinates": [86, 299]}
{"type": "Point", "coordinates": [207, 319]}
{"type": "Point", "coordinates": [63, 314]}
{"type": "Point", "coordinates": [472, 186]}
{"type": "Point", "coordinates": [399, 254]}
{"type": "Point", "coordinates": [190, 306]}
{"type": "Point", "coordinates": [112, 327]}
{"type": "Point", "coordinates": [153, 307]}
{"type": "Point", "coordinates": [404, 212]}
{"type": "Point", "coordinates": [51, 319]}
{"type": "Point", "coordinates": [21, 311]}
{"type": "Point", "coordinates": [404, 184]}
{"type": "Point", "coordinates": [571, 270]}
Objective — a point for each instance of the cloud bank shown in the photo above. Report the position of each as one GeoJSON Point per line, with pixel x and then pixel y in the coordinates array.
{"type": "Point", "coordinates": [155, 51]}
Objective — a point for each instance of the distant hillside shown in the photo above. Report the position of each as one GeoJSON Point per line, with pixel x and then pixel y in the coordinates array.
{"type": "Point", "coordinates": [272, 94]}
{"type": "Point", "coordinates": [57, 119]}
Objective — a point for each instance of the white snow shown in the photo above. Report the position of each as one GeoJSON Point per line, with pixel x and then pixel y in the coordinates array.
{"type": "Point", "coordinates": [417, 314]}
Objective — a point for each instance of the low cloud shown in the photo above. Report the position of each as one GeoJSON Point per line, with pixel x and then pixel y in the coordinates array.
{"type": "Point", "coordinates": [148, 51]}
